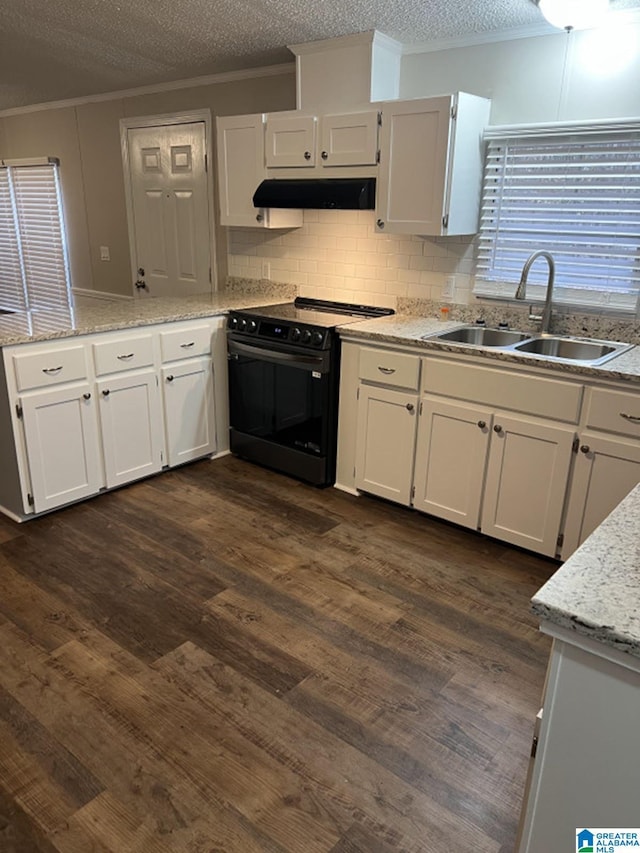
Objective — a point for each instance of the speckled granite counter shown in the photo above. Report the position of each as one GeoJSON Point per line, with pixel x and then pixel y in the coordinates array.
{"type": "Point", "coordinates": [14, 328]}
{"type": "Point", "coordinates": [405, 330]}
{"type": "Point", "coordinates": [596, 593]}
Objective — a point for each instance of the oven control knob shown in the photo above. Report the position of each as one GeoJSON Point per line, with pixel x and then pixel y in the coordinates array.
{"type": "Point", "coordinates": [233, 322]}
{"type": "Point", "coordinates": [295, 334]}
{"type": "Point", "coordinates": [242, 324]}
{"type": "Point", "coordinates": [252, 326]}
{"type": "Point", "coordinates": [317, 338]}
{"type": "Point", "coordinates": [306, 336]}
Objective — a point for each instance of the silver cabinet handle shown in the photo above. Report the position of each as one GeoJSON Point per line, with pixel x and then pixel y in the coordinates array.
{"type": "Point", "coordinates": [186, 346]}
{"type": "Point", "coordinates": [410, 407]}
{"type": "Point", "coordinates": [50, 370]}
{"type": "Point", "coordinates": [482, 424]}
{"type": "Point", "coordinates": [386, 370]}
{"type": "Point", "coordinates": [497, 428]}
{"type": "Point", "coordinates": [634, 418]}
{"type": "Point", "coordinates": [125, 357]}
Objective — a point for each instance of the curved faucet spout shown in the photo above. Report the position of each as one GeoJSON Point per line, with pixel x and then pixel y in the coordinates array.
{"type": "Point", "coordinates": [522, 286]}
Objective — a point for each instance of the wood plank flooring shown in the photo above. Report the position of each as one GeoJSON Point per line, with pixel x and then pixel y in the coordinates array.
{"type": "Point", "coordinates": [223, 660]}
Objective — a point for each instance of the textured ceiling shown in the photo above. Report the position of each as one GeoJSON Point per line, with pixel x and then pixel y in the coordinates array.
{"type": "Point", "coordinates": [70, 48]}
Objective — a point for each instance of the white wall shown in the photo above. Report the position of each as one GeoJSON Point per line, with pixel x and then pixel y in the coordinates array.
{"type": "Point", "coordinates": [337, 254]}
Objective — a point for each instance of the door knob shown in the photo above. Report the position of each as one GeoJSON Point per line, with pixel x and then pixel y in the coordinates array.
{"type": "Point", "coordinates": [410, 407]}
{"type": "Point", "coordinates": [482, 424]}
{"type": "Point", "coordinates": [497, 428]}
{"type": "Point", "coordinates": [170, 378]}
{"type": "Point", "coordinates": [87, 396]}
{"type": "Point", "coordinates": [106, 392]}
{"type": "Point", "coordinates": [585, 448]}
{"type": "Point", "coordinates": [324, 155]}
{"type": "Point", "coordinates": [307, 155]}
{"type": "Point", "coordinates": [380, 223]}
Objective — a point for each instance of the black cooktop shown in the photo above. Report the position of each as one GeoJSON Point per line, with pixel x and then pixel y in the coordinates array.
{"type": "Point", "coordinates": [317, 312]}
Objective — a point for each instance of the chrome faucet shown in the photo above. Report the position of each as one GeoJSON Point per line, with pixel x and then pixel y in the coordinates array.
{"type": "Point", "coordinates": [522, 288]}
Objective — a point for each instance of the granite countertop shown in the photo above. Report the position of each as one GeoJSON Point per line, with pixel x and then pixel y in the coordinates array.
{"type": "Point", "coordinates": [596, 593]}
{"type": "Point", "coordinates": [405, 329]}
{"type": "Point", "coordinates": [124, 314]}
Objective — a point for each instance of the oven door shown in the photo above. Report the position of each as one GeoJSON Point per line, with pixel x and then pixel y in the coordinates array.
{"type": "Point", "coordinates": [282, 407]}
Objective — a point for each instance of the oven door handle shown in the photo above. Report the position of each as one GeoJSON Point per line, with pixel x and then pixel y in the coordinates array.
{"type": "Point", "coordinates": [306, 361]}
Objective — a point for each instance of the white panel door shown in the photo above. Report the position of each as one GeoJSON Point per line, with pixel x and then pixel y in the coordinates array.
{"type": "Point", "coordinates": [412, 179]}
{"type": "Point", "coordinates": [290, 141]}
{"type": "Point", "coordinates": [386, 436]}
{"type": "Point", "coordinates": [349, 140]}
{"type": "Point", "coordinates": [188, 410]}
{"type": "Point", "coordinates": [61, 437]}
{"type": "Point", "coordinates": [131, 420]}
{"type": "Point", "coordinates": [526, 482]}
{"type": "Point", "coordinates": [170, 208]}
{"type": "Point", "coordinates": [605, 472]}
{"type": "Point", "coordinates": [451, 457]}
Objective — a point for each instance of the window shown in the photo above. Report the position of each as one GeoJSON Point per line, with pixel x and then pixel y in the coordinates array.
{"type": "Point", "coordinates": [34, 271]}
{"type": "Point", "coordinates": [573, 190]}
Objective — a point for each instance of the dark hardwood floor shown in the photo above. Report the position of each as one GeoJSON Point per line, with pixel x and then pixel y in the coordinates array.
{"type": "Point", "coordinates": [223, 659]}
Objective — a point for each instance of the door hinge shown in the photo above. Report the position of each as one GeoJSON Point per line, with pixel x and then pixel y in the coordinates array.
{"type": "Point", "coordinates": [18, 410]}
{"type": "Point", "coordinates": [378, 156]}
{"type": "Point", "coordinates": [354, 472]}
{"type": "Point", "coordinates": [445, 220]}
{"type": "Point", "coordinates": [534, 746]}
{"type": "Point", "coordinates": [206, 162]}
{"type": "Point", "coordinates": [413, 492]}
{"type": "Point", "coordinates": [209, 275]}
{"type": "Point", "coordinates": [161, 456]}
{"type": "Point", "coordinates": [560, 541]}
{"type": "Point", "coordinates": [157, 382]}
{"type": "Point", "coordinates": [30, 500]}
{"type": "Point", "coordinates": [379, 118]}
{"type": "Point", "coordinates": [576, 445]}
{"type": "Point", "coordinates": [420, 409]}
{"type": "Point", "coordinates": [454, 111]}
{"type": "Point", "coordinates": [358, 393]}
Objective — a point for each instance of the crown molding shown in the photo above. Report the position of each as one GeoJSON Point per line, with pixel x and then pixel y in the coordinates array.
{"type": "Point", "coordinates": [158, 88]}
{"type": "Point", "coordinates": [622, 17]}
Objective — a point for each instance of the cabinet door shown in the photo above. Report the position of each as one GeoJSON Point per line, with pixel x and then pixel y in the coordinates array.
{"type": "Point", "coordinates": [385, 443]}
{"type": "Point", "coordinates": [451, 456]}
{"type": "Point", "coordinates": [412, 180]}
{"type": "Point", "coordinates": [349, 140]}
{"type": "Point", "coordinates": [188, 410]}
{"type": "Point", "coordinates": [131, 420]}
{"type": "Point", "coordinates": [61, 437]}
{"type": "Point", "coordinates": [605, 472]}
{"type": "Point", "coordinates": [290, 141]}
{"type": "Point", "coordinates": [240, 167]}
{"type": "Point", "coordinates": [526, 482]}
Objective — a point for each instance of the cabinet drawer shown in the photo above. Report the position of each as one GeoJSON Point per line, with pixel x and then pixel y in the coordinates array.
{"type": "Point", "coordinates": [614, 411]}
{"type": "Point", "coordinates": [49, 367]}
{"type": "Point", "coordinates": [185, 342]}
{"type": "Point", "coordinates": [505, 389]}
{"type": "Point", "coordinates": [118, 354]}
{"type": "Point", "coordinates": [390, 368]}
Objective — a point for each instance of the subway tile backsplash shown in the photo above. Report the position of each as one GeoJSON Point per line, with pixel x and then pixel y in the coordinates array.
{"type": "Point", "coordinates": [338, 255]}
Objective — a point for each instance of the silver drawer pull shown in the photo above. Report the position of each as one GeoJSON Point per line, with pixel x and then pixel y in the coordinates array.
{"type": "Point", "coordinates": [186, 346]}
{"type": "Point", "coordinates": [50, 370]}
{"type": "Point", "coordinates": [386, 370]}
{"type": "Point", "coordinates": [634, 418]}
{"type": "Point", "coordinates": [125, 357]}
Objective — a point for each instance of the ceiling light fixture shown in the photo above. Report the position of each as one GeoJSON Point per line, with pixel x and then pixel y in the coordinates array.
{"type": "Point", "coordinates": [574, 14]}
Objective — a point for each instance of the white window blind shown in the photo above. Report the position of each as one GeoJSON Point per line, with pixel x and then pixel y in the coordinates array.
{"type": "Point", "coordinates": [34, 271]}
{"type": "Point", "coordinates": [574, 193]}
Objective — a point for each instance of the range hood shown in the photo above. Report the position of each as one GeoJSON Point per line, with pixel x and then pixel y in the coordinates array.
{"type": "Point", "coordinates": [317, 193]}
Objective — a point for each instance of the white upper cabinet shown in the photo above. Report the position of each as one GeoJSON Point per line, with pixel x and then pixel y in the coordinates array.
{"type": "Point", "coordinates": [241, 169]}
{"type": "Point", "coordinates": [317, 144]}
{"type": "Point", "coordinates": [430, 172]}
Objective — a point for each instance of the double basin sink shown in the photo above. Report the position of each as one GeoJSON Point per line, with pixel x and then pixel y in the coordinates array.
{"type": "Point", "coordinates": [554, 347]}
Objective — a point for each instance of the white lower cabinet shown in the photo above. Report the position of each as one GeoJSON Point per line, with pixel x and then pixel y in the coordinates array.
{"type": "Point", "coordinates": [527, 474]}
{"type": "Point", "coordinates": [62, 444]}
{"type": "Point", "coordinates": [606, 469]}
{"type": "Point", "coordinates": [187, 391]}
{"type": "Point", "coordinates": [385, 442]}
{"type": "Point", "coordinates": [131, 422]}
{"type": "Point", "coordinates": [451, 456]}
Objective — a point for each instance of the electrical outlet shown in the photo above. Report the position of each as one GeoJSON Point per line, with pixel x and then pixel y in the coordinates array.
{"type": "Point", "coordinates": [105, 255]}
{"type": "Point", "coordinates": [448, 287]}
{"type": "Point", "coordinates": [266, 270]}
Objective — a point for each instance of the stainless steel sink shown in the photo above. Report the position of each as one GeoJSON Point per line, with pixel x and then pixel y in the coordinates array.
{"type": "Point", "coordinates": [588, 352]}
{"type": "Point", "coordinates": [480, 336]}
{"type": "Point", "coordinates": [572, 349]}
